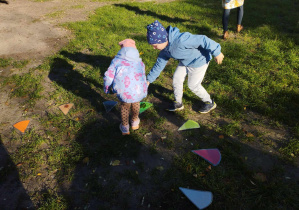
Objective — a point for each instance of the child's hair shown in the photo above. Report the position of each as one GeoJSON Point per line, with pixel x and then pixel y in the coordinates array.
{"type": "Point", "coordinates": [127, 43]}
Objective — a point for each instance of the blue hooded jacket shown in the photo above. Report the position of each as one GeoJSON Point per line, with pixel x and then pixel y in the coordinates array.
{"type": "Point", "coordinates": [191, 50]}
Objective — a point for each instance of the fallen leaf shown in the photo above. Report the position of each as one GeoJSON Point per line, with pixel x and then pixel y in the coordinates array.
{"type": "Point", "coordinates": [209, 168]}
{"type": "Point", "coordinates": [115, 163]}
{"type": "Point", "coordinates": [19, 164]}
{"type": "Point", "coordinates": [221, 137]}
{"type": "Point", "coordinates": [148, 134]}
{"type": "Point", "coordinates": [249, 135]}
{"type": "Point", "coordinates": [39, 174]}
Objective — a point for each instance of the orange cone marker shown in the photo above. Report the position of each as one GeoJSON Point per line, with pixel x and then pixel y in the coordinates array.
{"type": "Point", "coordinates": [21, 126]}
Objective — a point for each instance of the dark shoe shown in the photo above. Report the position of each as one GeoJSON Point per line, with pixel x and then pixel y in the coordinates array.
{"type": "Point", "coordinates": [175, 107]}
{"type": "Point", "coordinates": [225, 35]}
{"type": "Point", "coordinates": [208, 107]}
{"type": "Point", "coordinates": [125, 130]}
{"type": "Point", "coordinates": [239, 28]}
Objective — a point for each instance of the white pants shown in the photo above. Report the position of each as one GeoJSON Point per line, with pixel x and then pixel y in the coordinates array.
{"type": "Point", "coordinates": [195, 77]}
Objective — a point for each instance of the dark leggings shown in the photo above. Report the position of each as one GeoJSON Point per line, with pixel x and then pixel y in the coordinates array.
{"type": "Point", "coordinates": [125, 112]}
{"type": "Point", "coordinates": [225, 17]}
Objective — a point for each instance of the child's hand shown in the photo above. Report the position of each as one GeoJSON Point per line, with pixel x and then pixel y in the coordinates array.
{"type": "Point", "coordinates": [219, 58]}
{"type": "Point", "coordinates": [147, 82]}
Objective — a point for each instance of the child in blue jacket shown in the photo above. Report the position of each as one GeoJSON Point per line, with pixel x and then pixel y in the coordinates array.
{"type": "Point", "coordinates": [126, 77]}
{"type": "Point", "coordinates": [194, 53]}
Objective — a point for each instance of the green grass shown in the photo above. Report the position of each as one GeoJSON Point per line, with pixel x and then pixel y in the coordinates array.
{"type": "Point", "coordinates": [13, 63]}
{"type": "Point", "coordinates": [259, 75]}
{"type": "Point", "coordinates": [27, 86]}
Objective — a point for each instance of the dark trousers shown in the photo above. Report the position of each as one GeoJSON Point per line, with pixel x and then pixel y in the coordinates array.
{"type": "Point", "coordinates": [225, 17]}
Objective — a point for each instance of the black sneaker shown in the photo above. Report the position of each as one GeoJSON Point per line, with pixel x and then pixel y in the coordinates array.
{"type": "Point", "coordinates": [207, 107]}
{"type": "Point", "coordinates": [175, 107]}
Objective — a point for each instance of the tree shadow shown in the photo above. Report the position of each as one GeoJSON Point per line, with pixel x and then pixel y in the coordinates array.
{"type": "Point", "coordinates": [201, 30]}
{"type": "Point", "coordinates": [12, 193]}
{"type": "Point", "coordinates": [137, 10]}
{"type": "Point", "coordinates": [3, 2]}
{"type": "Point", "coordinates": [97, 61]}
{"type": "Point", "coordinates": [115, 170]}
{"type": "Point", "coordinates": [65, 75]}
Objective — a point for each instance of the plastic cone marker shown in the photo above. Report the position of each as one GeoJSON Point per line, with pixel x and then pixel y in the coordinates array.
{"type": "Point", "coordinates": [190, 124]}
{"type": "Point", "coordinates": [22, 125]}
{"type": "Point", "coordinates": [144, 106]}
{"type": "Point", "coordinates": [201, 199]}
{"type": "Point", "coordinates": [213, 156]}
{"type": "Point", "coordinates": [109, 105]}
{"type": "Point", "coordinates": [65, 108]}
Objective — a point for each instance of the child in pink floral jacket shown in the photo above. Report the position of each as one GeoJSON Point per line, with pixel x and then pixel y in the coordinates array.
{"type": "Point", "coordinates": [126, 77]}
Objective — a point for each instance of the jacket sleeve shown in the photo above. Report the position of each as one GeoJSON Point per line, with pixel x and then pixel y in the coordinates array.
{"type": "Point", "coordinates": [109, 77]}
{"type": "Point", "coordinates": [196, 41]}
{"type": "Point", "coordinates": [158, 67]}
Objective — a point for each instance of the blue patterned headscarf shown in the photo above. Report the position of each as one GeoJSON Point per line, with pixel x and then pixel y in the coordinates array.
{"type": "Point", "coordinates": [156, 33]}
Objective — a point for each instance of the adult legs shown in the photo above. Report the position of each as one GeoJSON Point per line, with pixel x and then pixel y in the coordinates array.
{"type": "Point", "coordinates": [240, 14]}
{"type": "Point", "coordinates": [195, 77]}
{"type": "Point", "coordinates": [225, 18]}
{"type": "Point", "coordinates": [178, 82]}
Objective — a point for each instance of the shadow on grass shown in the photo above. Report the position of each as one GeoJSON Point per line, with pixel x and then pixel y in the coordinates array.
{"type": "Point", "coordinates": [12, 193]}
{"type": "Point", "coordinates": [64, 74]}
{"type": "Point", "coordinates": [137, 10]}
{"type": "Point", "coordinates": [97, 61]}
{"type": "Point", "coordinates": [121, 172]}
{"type": "Point", "coordinates": [115, 171]}
{"type": "Point", "coordinates": [188, 23]}
{"type": "Point", "coordinates": [281, 16]}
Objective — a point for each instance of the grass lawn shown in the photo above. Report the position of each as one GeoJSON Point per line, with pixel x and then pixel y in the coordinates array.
{"type": "Point", "coordinates": [83, 162]}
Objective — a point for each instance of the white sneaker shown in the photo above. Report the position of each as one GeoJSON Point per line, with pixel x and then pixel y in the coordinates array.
{"type": "Point", "coordinates": [135, 124]}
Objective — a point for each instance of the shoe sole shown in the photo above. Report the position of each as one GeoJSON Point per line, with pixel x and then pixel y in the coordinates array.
{"type": "Point", "coordinates": [173, 110]}
{"type": "Point", "coordinates": [214, 107]}
{"type": "Point", "coordinates": [135, 127]}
